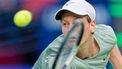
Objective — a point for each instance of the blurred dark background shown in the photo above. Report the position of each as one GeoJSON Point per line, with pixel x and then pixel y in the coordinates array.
{"type": "Point", "coordinates": [20, 47]}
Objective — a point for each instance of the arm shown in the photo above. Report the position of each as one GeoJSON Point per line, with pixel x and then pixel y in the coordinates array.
{"type": "Point", "coordinates": [116, 58]}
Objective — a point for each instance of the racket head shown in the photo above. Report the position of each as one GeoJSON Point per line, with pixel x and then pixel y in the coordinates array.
{"type": "Point", "coordinates": [69, 47]}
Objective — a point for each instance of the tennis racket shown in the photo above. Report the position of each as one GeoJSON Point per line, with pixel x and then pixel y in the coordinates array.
{"type": "Point", "coordinates": [69, 47]}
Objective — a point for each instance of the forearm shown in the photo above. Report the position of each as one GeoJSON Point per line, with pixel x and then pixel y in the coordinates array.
{"type": "Point", "coordinates": [116, 58]}
{"type": "Point", "coordinates": [117, 63]}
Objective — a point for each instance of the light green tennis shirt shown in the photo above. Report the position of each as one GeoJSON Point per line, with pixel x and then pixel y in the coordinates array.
{"type": "Point", "coordinates": [106, 39]}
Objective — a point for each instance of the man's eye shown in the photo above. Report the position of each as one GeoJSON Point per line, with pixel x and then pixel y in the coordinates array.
{"type": "Point", "coordinates": [65, 24]}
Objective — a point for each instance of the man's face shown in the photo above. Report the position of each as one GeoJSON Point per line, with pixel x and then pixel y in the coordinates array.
{"type": "Point", "coordinates": [68, 20]}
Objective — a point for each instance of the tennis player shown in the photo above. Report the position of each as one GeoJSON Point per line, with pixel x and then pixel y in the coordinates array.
{"type": "Point", "coordinates": [99, 44]}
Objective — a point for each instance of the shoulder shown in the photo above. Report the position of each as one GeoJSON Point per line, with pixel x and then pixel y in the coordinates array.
{"type": "Point", "coordinates": [57, 41]}
{"type": "Point", "coordinates": [48, 54]}
{"type": "Point", "coordinates": [54, 45]}
{"type": "Point", "coordinates": [106, 33]}
{"type": "Point", "coordinates": [104, 27]}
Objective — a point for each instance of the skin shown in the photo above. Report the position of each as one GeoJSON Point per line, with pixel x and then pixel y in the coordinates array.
{"type": "Point", "coordinates": [68, 20]}
{"type": "Point", "coordinates": [89, 46]}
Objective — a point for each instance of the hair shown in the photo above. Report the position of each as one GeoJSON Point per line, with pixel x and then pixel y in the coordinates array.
{"type": "Point", "coordinates": [88, 18]}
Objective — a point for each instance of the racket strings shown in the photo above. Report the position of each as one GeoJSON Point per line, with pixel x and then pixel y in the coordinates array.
{"type": "Point", "coordinates": [69, 47]}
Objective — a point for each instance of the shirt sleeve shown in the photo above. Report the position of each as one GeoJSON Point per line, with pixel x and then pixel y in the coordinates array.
{"type": "Point", "coordinates": [47, 57]}
{"type": "Point", "coordinates": [39, 62]}
{"type": "Point", "coordinates": [106, 38]}
{"type": "Point", "coordinates": [106, 34]}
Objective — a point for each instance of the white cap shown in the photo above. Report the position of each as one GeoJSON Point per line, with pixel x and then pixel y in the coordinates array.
{"type": "Point", "coordinates": [79, 7]}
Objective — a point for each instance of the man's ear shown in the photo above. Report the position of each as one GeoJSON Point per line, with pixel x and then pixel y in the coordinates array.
{"type": "Point", "coordinates": [92, 26]}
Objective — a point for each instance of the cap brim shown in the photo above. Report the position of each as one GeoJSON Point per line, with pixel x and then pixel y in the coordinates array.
{"type": "Point", "coordinates": [59, 14]}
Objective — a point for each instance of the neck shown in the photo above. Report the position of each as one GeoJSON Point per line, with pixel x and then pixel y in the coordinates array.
{"type": "Point", "coordinates": [92, 47]}
{"type": "Point", "coordinates": [87, 49]}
